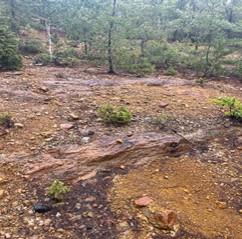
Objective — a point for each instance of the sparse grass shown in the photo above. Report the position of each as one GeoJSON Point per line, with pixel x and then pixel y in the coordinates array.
{"type": "Point", "coordinates": [162, 120]}
{"type": "Point", "coordinates": [6, 120]}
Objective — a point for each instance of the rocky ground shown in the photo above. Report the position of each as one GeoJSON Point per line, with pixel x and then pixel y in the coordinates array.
{"type": "Point", "coordinates": [145, 180]}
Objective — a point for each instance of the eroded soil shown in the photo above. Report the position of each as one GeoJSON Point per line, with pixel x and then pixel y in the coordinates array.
{"type": "Point", "coordinates": [202, 185]}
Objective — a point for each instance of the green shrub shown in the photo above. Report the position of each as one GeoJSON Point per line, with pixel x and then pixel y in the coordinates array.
{"type": "Point", "coordinates": [31, 47]}
{"type": "Point", "coordinates": [57, 190]}
{"type": "Point", "coordinates": [6, 120]}
{"type": "Point", "coordinates": [232, 105]}
{"type": "Point", "coordinates": [115, 115]}
{"type": "Point", "coordinates": [65, 53]}
{"type": "Point", "coordinates": [170, 71]}
{"type": "Point", "coordinates": [162, 54]}
{"type": "Point", "coordinates": [239, 68]}
{"type": "Point", "coordinates": [209, 62]}
{"type": "Point", "coordinates": [66, 57]}
{"type": "Point", "coordinates": [9, 56]}
{"type": "Point", "coordinates": [43, 59]}
{"type": "Point", "coordinates": [131, 62]}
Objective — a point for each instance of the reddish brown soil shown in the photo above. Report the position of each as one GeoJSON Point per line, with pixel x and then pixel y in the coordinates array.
{"type": "Point", "coordinates": [198, 185]}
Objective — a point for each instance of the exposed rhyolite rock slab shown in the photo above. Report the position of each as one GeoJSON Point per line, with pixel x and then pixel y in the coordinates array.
{"type": "Point", "coordinates": [76, 162]}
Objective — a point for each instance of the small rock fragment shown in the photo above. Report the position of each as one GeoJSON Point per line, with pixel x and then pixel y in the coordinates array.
{"type": "Point", "coordinates": [119, 141]}
{"type": "Point", "coordinates": [74, 116]}
{"type": "Point", "coordinates": [67, 126]}
{"type": "Point", "coordinates": [2, 193]}
{"type": "Point", "coordinates": [18, 125]}
{"type": "Point", "coordinates": [163, 219]}
{"type": "Point", "coordinates": [87, 132]}
{"type": "Point", "coordinates": [85, 140]}
{"type": "Point", "coordinates": [163, 105]}
{"type": "Point", "coordinates": [41, 208]}
{"type": "Point", "coordinates": [143, 201]}
{"type": "Point", "coordinates": [43, 88]}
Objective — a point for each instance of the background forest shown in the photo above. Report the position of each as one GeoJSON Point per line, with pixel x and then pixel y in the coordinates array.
{"type": "Point", "coordinates": [133, 36]}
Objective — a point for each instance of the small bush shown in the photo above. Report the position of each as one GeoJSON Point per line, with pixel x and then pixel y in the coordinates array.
{"type": "Point", "coordinates": [232, 105]}
{"type": "Point", "coordinates": [67, 62]}
{"type": "Point", "coordinates": [43, 59]}
{"type": "Point", "coordinates": [162, 54]}
{"type": "Point", "coordinates": [31, 47]}
{"type": "Point", "coordinates": [6, 120]}
{"type": "Point", "coordinates": [57, 190]}
{"type": "Point", "coordinates": [9, 56]}
{"type": "Point", "coordinates": [170, 71]}
{"type": "Point", "coordinates": [115, 115]}
{"type": "Point", "coordinates": [131, 62]}
{"type": "Point", "coordinates": [66, 57]}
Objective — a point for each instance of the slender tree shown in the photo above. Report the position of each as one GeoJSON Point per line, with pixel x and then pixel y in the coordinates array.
{"type": "Point", "coordinates": [110, 38]}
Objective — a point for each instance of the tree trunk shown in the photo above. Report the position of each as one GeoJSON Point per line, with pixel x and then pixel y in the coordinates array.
{"type": "Point", "coordinates": [48, 31]}
{"type": "Point", "coordinates": [142, 47]}
{"type": "Point", "coordinates": [85, 44]}
{"type": "Point", "coordinates": [110, 40]}
{"type": "Point", "coordinates": [13, 15]}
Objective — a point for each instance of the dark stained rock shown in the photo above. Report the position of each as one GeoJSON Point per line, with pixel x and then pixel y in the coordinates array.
{"type": "Point", "coordinates": [41, 208]}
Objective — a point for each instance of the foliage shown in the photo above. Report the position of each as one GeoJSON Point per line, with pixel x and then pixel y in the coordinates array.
{"type": "Point", "coordinates": [131, 62]}
{"type": "Point", "coordinates": [239, 68]}
{"type": "Point", "coordinates": [183, 34]}
{"type": "Point", "coordinates": [115, 115]}
{"type": "Point", "coordinates": [162, 54]}
{"type": "Point", "coordinates": [9, 56]}
{"type": "Point", "coordinates": [6, 120]}
{"type": "Point", "coordinates": [170, 71]}
{"type": "Point", "coordinates": [66, 57]}
{"type": "Point", "coordinates": [31, 47]}
{"type": "Point", "coordinates": [58, 189]}
{"type": "Point", "coordinates": [43, 59]}
{"type": "Point", "coordinates": [232, 105]}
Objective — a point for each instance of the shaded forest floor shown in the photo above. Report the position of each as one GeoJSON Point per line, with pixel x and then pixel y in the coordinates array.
{"type": "Point", "coordinates": [56, 108]}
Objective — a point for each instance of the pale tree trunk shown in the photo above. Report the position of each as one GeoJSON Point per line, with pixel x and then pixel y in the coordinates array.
{"type": "Point", "coordinates": [48, 31]}
{"type": "Point", "coordinates": [13, 15]}
{"type": "Point", "coordinates": [110, 39]}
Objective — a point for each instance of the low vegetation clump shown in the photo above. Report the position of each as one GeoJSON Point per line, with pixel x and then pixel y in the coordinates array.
{"type": "Point", "coordinates": [232, 105]}
{"type": "Point", "coordinates": [66, 57]}
{"type": "Point", "coordinates": [131, 62]}
{"type": "Point", "coordinates": [115, 115]}
{"type": "Point", "coordinates": [162, 120]}
{"type": "Point", "coordinates": [31, 47]}
{"type": "Point", "coordinates": [9, 55]}
{"type": "Point", "coordinates": [170, 71]}
{"type": "Point", "coordinates": [43, 59]}
{"type": "Point", "coordinates": [6, 120]}
{"type": "Point", "coordinates": [57, 190]}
